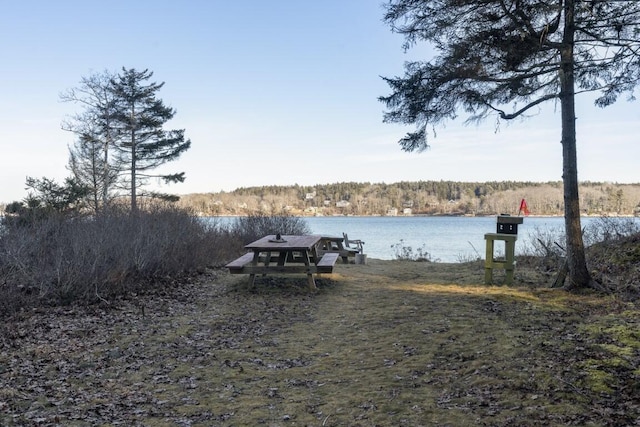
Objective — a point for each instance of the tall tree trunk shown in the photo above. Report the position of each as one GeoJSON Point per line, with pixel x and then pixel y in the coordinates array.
{"type": "Point", "coordinates": [578, 276]}
{"type": "Point", "coordinates": [134, 198]}
{"type": "Point", "coordinates": [134, 201]}
{"type": "Point", "coordinates": [106, 178]}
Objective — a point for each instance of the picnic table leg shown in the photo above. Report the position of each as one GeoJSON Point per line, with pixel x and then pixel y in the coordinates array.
{"type": "Point", "coordinates": [282, 258]}
{"type": "Point", "coordinates": [252, 277]}
{"type": "Point", "coordinates": [267, 260]}
{"type": "Point", "coordinates": [312, 283]}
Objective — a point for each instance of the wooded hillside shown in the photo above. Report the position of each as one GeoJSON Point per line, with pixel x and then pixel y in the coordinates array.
{"type": "Point", "coordinates": [417, 198]}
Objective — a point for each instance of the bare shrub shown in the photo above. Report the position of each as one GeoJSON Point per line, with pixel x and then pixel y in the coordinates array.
{"type": "Point", "coordinates": [606, 229]}
{"type": "Point", "coordinates": [403, 252]}
{"type": "Point", "coordinates": [546, 250]}
{"type": "Point", "coordinates": [60, 260]}
{"type": "Point", "coordinates": [547, 243]}
{"type": "Point", "coordinates": [247, 229]}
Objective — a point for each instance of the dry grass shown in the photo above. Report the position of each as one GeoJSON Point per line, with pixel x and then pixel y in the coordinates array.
{"type": "Point", "coordinates": [387, 344]}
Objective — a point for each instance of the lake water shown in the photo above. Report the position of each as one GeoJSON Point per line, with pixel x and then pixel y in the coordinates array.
{"type": "Point", "coordinates": [446, 239]}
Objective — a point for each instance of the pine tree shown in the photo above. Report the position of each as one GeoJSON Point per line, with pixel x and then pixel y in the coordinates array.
{"type": "Point", "coordinates": [504, 57]}
{"type": "Point", "coordinates": [142, 143]}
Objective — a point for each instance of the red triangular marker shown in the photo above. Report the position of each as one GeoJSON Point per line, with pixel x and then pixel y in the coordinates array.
{"type": "Point", "coordinates": [523, 208]}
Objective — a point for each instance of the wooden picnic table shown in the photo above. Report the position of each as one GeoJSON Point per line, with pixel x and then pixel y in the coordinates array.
{"type": "Point", "coordinates": [286, 254]}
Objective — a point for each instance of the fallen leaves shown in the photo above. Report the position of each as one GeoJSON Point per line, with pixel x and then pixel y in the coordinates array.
{"type": "Point", "coordinates": [370, 348]}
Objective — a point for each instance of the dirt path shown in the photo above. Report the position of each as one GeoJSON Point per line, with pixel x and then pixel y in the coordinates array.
{"type": "Point", "coordinates": [387, 344]}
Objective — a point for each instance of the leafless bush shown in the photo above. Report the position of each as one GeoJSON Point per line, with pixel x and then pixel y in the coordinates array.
{"type": "Point", "coordinates": [606, 229]}
{"type": "Point", "coordinates": [59, 260]}
{"type": "Point", "coordinates": [250, 228]}
{"type": "Point", "coordinates": [403, 252]}
{"type": "Point", "coordinates": [546, 243]}
{"type": "Point", "coordinates": [546, 248]}
{"type": "Point", "coordinates": [549, 242]}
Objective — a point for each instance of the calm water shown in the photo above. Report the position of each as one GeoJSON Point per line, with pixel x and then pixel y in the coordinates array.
{"type": "Point", "coordinates": [446, 239]}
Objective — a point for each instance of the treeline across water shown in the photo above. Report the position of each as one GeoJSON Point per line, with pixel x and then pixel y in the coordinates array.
{"type": "Point", "coordinates": [418, 198]}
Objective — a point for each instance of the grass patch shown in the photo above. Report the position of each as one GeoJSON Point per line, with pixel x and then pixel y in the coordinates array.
{"type": "Point", "coordinates": [389, 343]}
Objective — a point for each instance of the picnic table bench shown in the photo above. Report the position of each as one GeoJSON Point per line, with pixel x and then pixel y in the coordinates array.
{"type": "Point", "coordinates": [286, 254]}
{"type": "Point", "coordinates": [334, 244]}
{"type": "Point", "coordinates": [341, 245]}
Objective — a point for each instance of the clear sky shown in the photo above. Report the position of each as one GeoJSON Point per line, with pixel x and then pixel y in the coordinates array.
{"type": "Point", "coordinates": [270, 93]}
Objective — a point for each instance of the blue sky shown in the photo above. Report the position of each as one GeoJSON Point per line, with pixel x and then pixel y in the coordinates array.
{"type": "Point", "coordinates": [270, 93]}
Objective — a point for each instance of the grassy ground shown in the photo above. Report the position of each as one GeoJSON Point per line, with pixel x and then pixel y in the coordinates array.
{"type": "Point", "coordinates": [387, 344]}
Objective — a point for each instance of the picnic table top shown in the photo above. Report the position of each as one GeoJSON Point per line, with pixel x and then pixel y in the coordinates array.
{"type": "Point", "coordinates": [333, 238]}
{"type": "Point", "coordinates": [286, 243]}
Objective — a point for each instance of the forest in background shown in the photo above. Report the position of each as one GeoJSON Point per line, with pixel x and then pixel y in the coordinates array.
{"type": "Point", "coordinates": [417, 198]}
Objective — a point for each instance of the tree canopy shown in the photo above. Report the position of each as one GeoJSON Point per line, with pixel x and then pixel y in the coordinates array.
{"type": "Point", "coordinates": [505, 57]}
{"type": "Point", "coordinates": [46, 199]}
